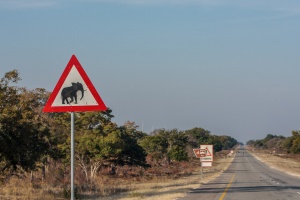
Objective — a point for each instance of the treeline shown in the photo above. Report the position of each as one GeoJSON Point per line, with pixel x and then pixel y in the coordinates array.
{"type": "Point", "coordinates": [280, 143]}
{"type": "Point", "coordinates": [31, 140]}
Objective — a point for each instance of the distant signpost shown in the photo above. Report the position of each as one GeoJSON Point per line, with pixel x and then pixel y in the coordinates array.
{"type": "Point", "coordinates": [206, 155]}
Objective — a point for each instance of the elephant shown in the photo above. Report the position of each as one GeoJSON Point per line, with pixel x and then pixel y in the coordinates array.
{"type": "Point", "coordinates": [71, 92]}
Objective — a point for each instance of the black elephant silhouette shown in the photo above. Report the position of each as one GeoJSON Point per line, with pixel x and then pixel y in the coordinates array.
{"type": "Point", "coordinates": [71, 92]}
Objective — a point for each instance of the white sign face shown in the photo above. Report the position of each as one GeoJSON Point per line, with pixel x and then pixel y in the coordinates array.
{"type": "Point", "coordinates": [209, 156]}
{"type": "Point", "coordinates": [74, 91]}
{"type": "Point", "coordinates": [206, 164]}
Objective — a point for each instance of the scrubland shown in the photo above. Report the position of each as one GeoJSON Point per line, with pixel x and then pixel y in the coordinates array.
{"type": "Point", "coordinates": [159, 182]}
{"type": "Point", "coordinates": [164, 182]}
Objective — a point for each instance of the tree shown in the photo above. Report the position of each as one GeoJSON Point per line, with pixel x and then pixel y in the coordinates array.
{"type": "Point", "coordinates": [293, 143]}
{"type": "Point", "coordinates": [155, 146]}
{"type": "Point", "coordinates": [215, 140]}
{"type": "Point", "coordinates": [132, 153]}
{"type": "Point", "coordinates": [101, 142]}
{"type": "Point", "coordinates": [23, 134]}
{"type": "Point", "coordinates": [296, 145]}
{"type": "Point", "coordinates": [167, 145]}
{"type": "Point", "coordinates": [198, 135]}
{"type": "Point", "coordinates": [177, 141]}
{"type": "Point", "coordinates": [227, 142]}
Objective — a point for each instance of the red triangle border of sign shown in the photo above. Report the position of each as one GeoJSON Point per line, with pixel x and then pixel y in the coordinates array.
{"type": "Point", "coordinates": [209, 154]}
{"type": "Point", "coordinates": [74, 62]}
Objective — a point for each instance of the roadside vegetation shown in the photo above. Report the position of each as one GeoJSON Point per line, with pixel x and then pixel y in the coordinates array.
{"type": "Point", "coordinates": [282, 153]}
{"type": "Point", "coordinates": [287, 163]}
{"type": "Point", "coordinates": [278, 144]}
{"type": "Point", "coordinates": [110, 160]}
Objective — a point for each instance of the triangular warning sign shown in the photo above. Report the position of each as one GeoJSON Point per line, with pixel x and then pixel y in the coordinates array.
{"type": "Point", "coordinates": [74, 92]}
{"type": "Point", "coordinates": [207, 152]}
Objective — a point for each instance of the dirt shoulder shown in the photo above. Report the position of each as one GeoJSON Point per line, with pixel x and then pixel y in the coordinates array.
{"type": "Point", "coordinates": [286, 163]}
{"type": "Point", "coordinates": [170, 189]}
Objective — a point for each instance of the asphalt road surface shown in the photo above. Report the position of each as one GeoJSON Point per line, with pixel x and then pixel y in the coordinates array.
{"type": "Point", "coordinates": [248, 179]}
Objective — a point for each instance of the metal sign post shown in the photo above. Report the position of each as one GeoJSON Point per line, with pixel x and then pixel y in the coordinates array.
{"type": "Point", "coordinates": [205, 153]}
{"type": "Point", "coordinates": [72, 155]}
{"type": "Point", "coordinates": [200, 153]}
{"type": "Point", "coordinates": [201, 171]}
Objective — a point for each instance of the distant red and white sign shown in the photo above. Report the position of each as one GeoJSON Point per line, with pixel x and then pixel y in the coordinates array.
{"type": "Point", "coordinates": [74, 91]}
{"type": "Point", "coordinates": [209, 155]}
{"type": "Point", "coordinates": [199, 152]}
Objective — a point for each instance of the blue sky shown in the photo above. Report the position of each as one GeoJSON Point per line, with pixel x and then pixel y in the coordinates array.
{"type": "Point", "coordinates": [231, 67]}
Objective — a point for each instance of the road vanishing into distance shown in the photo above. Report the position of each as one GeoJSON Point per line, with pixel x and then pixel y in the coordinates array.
{"type": "Point", "coordinates": [248, 179]}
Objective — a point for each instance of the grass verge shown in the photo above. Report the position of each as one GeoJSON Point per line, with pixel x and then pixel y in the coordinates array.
{"type": "Point", "coordinates": [286, 163]}
{"type": "Point", "coordinates": [170, 189]}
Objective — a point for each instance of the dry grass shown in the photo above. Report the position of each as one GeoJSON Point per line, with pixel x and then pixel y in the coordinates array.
{"type": "Point", "coordinates": [108, 188]}
{"type": "Point", "coordinates": [169, 189]}
{"type": "Point", "coordinates": [135, 188]}
{"type": "Point", "coordinates": [20, 189]}
{"type": "Point", "coordinates": [283, 162]}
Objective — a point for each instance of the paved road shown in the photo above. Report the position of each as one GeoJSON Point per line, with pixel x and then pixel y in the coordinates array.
{"type": "Point", "coordinates": [248, 179]}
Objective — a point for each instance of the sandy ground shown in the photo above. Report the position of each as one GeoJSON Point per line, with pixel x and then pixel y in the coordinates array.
{"type": "Point", "coordinates": [280, 162]}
